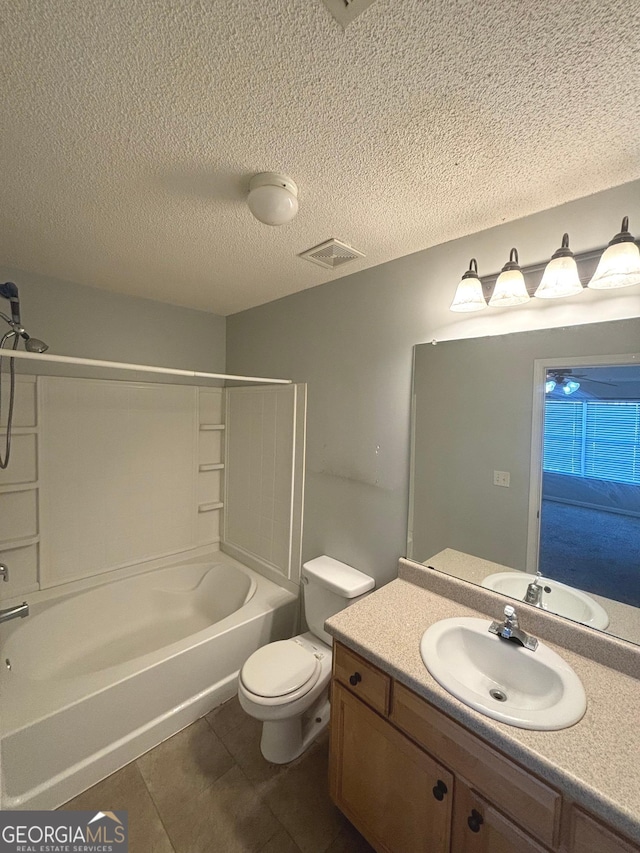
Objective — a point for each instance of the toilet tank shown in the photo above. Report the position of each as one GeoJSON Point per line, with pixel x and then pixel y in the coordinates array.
{"type": "Point", "coordinates": [328, 587]}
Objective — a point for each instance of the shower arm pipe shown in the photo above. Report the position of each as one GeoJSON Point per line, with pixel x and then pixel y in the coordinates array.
{"type": "Point", "coordinates": [144, 368]}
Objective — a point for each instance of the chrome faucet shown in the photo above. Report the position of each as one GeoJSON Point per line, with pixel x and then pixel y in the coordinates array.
{"type": "Point", "coordinates": [19, 611]}
{"type": "Point", "coordinates": [510, 630]}
{"type": "Point", "coordinates": [534, 592]}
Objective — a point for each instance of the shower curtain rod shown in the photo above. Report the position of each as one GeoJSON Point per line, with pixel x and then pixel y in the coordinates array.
{"type": "Point", "coordinates": [145, 368]}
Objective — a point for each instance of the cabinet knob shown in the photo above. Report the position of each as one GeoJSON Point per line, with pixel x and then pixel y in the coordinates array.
{"type": "Point", "coordinates": [439, 790]}
{"type": "Point", "coordinates": [355, 679]}
{"type": "Point", "coordinates": [475, 821]}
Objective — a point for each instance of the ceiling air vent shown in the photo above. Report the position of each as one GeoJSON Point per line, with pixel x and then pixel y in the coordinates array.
{"type": "Point", "coordinates": [345, 11]}
{"type": "Point", "coordinates": [331, 254]}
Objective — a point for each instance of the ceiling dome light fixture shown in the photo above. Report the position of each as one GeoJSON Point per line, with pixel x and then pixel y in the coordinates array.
{"type": "Point", "coordinates": [561, 274]}
{"type": "Point", "coordinates": [273, 198]}
{"type": "Point", "coordinates": [620, 262]}
{"type": "Point", "coordinates": [510, 288]}
{"type": "Point", "coordinates": [469, 295]}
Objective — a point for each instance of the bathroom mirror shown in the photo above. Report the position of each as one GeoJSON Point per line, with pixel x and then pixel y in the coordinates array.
{"type": "Point", "coordinates": [477, 478]}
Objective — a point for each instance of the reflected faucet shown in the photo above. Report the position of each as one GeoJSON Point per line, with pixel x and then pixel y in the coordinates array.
{"type": "Point", "coordinates": [534, 592]}
{"type": "Point", "coordinates": [510, 630]}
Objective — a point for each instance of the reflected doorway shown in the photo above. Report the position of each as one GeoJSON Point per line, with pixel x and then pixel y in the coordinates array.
{"type": "Point", "coordinates": [590, 498]}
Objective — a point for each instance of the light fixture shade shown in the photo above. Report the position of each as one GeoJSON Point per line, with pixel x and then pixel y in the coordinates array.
{"type": "Point", "coordinates": [510, 288]}
{"type": "Point", "coordinates": [561, 275]}
{"type": "Point", "coordinates": [469, 295]}
{"type": "Point", "coordinates": [570, 386]}
{"type": "Point", "coordinates": [549, 385]}
{"type": "Point", "coordinates": [619, 267]}
{"type": "Point", "coordinates": [273, 198]}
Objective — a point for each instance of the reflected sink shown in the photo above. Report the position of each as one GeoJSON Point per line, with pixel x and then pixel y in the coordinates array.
{"type": "Point", "coordinates": [562, 599]}
{"type": "Point", "coordinates": [532, 690]}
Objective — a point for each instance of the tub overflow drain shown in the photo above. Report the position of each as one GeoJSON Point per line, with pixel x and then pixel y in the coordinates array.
{"type": "Point", "coordinates": [498, 695]}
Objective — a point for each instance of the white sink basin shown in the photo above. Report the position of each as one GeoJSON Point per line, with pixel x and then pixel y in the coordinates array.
{"type": "Point", "coordinates": [562, 599]}
{"type": "Point", "coordinates": [499, 678]}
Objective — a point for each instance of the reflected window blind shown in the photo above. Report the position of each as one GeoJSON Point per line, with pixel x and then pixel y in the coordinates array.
{"type": "Point", "coordinates": [597, 439]}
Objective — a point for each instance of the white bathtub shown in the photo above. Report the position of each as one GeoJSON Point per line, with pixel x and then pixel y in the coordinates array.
{"type": "Point", "coordinates": [101, 676]}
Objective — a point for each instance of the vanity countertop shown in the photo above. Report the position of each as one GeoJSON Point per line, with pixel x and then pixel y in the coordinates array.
{"type": "Point", "coordinates": [595, 762]}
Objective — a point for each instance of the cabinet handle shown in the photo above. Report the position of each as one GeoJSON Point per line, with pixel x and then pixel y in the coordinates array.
{"type": "Point", "coordinates": [439, 790]}
{"type": "Point", "coordinates": [355, 679]}
{"type": "Point", "coordinates": [475, 821]}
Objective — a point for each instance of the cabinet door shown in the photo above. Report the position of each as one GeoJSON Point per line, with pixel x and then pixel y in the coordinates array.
{"type": "Point", "coordinates": [395, 794]}
{"type": "Point", "coordinates": [589, 836]}
{"type": "Point", "coordinates": [480, 828]}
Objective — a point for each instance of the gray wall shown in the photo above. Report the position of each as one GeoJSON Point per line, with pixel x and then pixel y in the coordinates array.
{"type": "Point", "coordinates": [82, 321]}
{"type": "Point", "coordinates": [351, 340]}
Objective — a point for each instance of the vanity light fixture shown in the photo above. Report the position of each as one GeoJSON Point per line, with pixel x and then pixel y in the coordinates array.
{"type": "Point", "coordinates": [619, 266]}
{"type": "Point", "coordinates": [273, 198]}
{"type": "Point", "coordinates": [510, 287]}
{"type": "Point", "coordinates": [469, 295]}
{"type": "Point", "coordinates": [561, 274]}
{"type": "Point", "coordinates": [620, 262]}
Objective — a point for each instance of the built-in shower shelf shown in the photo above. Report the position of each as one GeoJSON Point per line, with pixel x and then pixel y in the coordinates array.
{"type": "Point", "coordinates": [18, 487]}
{"type": "Point", "coordinates": [30, 430]}
{"type": "Point", "coordinates": [211, 427]}
{"type": "Point", "coordinates": [10, 544]}
{"type": "Point", "coordinates": [209, 507]}
{"type": "Point", "coordinates": [211, 466]}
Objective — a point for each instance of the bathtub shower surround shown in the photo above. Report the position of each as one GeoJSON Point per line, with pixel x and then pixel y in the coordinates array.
{"type": "Point", "coordinates": [265, 445]}
{"type": "Point", "coordinates": [157, 652]}
{"type": "Point", "coordinates": [110, 523]}
{"type": "Point", "coordinates": [120, 474]}
{"type": "Point", "coordinates": [105, 476]}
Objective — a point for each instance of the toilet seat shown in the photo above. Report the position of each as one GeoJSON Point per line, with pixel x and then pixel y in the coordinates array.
{"type": "Point", "coordinates": [280, 671]}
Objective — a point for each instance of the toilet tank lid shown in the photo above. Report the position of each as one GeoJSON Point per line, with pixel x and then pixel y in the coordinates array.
{"type": "Point", "coordinates": [338, 577]}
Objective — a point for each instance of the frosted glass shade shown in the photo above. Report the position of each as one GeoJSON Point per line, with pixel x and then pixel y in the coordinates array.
{"type": "Point", "coordinates": [619, 267]}
{"type": "Point", "coordinates": [469, 296]}
{"type": "Point", "coordinates": [560, 279]}
{"type": "Point", "coordinates": [273, 198]}
{"type": "Point", "coordinates": [510, 290]}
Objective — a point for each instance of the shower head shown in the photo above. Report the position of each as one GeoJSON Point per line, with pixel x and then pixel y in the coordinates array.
{"type": "Point", "coordinates": [10, 292]}
{"type": "Point", "coordinates": [33, 344]}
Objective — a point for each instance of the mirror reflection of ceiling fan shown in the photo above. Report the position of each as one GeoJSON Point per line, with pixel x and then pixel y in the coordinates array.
{"type": "Point", "coordinates": [566, 379]}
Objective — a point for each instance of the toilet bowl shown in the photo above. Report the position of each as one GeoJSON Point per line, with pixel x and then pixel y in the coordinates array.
{"type": "Point", "coordinates": [286, 684]}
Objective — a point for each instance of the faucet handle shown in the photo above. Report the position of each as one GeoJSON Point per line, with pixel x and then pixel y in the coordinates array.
{"type": "Point", "coordinates": [509, 611]}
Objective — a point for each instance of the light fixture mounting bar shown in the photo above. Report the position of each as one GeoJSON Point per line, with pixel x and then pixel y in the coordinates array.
{"type": "Point", "coordinates": [586, 261]}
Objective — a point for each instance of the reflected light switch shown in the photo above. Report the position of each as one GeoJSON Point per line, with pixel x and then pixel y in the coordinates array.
{"type": "Point", "coordinates": [501, 478]}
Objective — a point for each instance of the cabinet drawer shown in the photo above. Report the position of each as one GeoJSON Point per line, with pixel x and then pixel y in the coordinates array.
{"type": "Point", "coordinates": [533, 804]}
{"type": "Point", "coordinates": [479, 828]}
{"type": "Point", "coordinates": [362, 678]}
{"type": "Point", "coordinates": [589, 836]}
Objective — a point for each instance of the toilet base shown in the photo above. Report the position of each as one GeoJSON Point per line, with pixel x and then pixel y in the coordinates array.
{"type": "Point", "coordinates": [284, 740]}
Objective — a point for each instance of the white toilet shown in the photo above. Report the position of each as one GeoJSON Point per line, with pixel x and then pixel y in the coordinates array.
{"type": "Point", "coordinates": [286, 684]}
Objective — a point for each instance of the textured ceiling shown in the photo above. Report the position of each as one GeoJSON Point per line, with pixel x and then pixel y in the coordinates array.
{"type": "Point", "coordinates": [130, 129]}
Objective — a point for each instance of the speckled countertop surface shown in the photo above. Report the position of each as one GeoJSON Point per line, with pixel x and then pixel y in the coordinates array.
{"type": "Point", "coordinates": [595, 762]}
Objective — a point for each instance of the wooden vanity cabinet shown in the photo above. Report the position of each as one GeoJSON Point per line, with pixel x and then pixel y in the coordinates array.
{"type": "Point", "coordinates": [588, 835]}
{"type": "Point", "coordinates": [392, 790]}
{"type": "Point", "coordinates": [412, 779]}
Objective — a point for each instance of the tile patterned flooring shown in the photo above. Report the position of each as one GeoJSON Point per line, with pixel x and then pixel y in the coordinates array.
{"type": "Point", "coordinates": [209, 790]}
